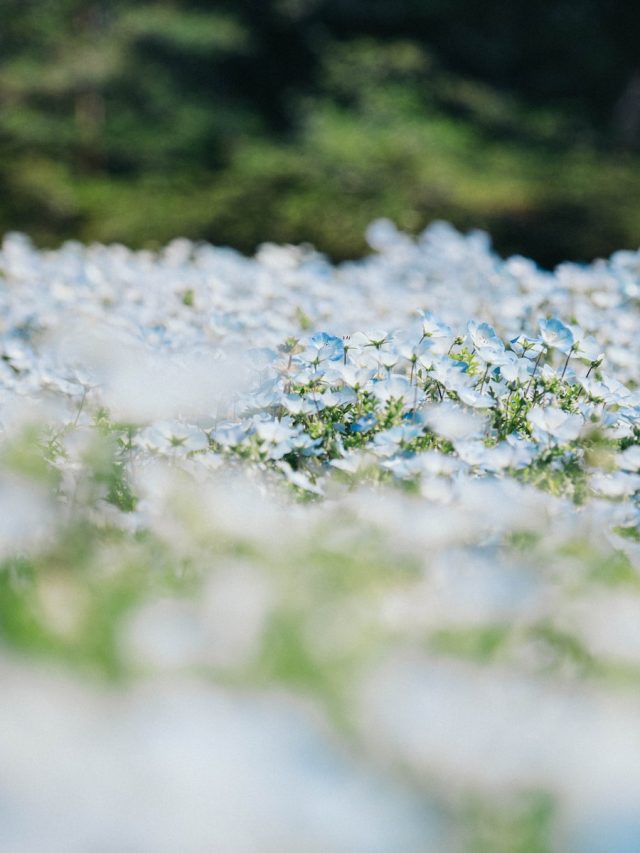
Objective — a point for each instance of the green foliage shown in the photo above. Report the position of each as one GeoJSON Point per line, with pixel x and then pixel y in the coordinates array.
{"type": "Point", "coordinates": [520, 825]}
{"type": "Point", "coordinates": [478, 644]}
{"type": "Point", "coordinates": [135, 122]}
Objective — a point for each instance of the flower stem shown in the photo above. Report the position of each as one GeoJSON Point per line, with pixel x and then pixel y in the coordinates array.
{"type": "Point", "coordinates": [535, 369]}
{"type": "Point", "coordinates": [566, 364]}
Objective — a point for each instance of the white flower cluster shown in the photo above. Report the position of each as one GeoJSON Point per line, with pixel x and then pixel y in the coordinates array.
{"type": "Point", "coordinates": [202, 351]}
{"type": "Point", "coordinates": [391, 504]}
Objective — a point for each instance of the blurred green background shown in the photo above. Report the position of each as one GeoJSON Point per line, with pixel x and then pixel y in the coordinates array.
{"type": "Point", "coordinates": [302, 120]}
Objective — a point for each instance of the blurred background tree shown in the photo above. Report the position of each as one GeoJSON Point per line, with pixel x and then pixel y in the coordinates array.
{"type": "Point", "coordinates": [241, 121]}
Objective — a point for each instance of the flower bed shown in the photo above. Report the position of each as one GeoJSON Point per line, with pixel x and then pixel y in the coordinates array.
{"type": "Point", "coordinates": [353, 550]}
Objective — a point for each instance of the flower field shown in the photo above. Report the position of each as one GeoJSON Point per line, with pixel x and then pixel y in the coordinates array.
{"type": "Point", "coordinates": [304, 557]}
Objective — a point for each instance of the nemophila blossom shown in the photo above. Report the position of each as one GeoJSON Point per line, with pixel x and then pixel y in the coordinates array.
{"type": "Point", "coordinates": [549, 374]}
{"type": "Point", "coordinates": [475, 399]}
{"type": "Point", "coordinates": [595, 390]}
{"type": "Point", "coordinates": [431, 466]}
{"type": "Point", "coordinates": [394, 387]}
{"type": "Point", "coordinates": [351, 375]}
{"type": "Point", "coordinates": [387, 443]}
{"type": "Point", "coordinates": [372, 338]}
{"type": "Point", "coordinates": [484, 336]}
{"type": "Point", "coordinates": [586, 346]}
{"type": "Point", "coordinates": [266, 395]}
{"type": "Point", "coordinates": [608, 389]}
{"type": "Point", "coordinates": [340, 397]}
{"type": "Point", "coordinates": [450, 374]}
{"type": "Point", "coordinates": [300, 479]}
{"type": "Point", "coordinates": [554, 425]}
{"type": "Point", "coordinates": [556, 334]}
{"type": "Point", "coordinates": [618, 424]}
{"type": "Point", "coordinates": [436, 463]}
{"type": "Point", "coordinates": [629, 459]}
{"type": "Point", "coordinates": [385, 359]}
{"type": "Point", "coordinates": [620, 484]}
{"type": "Point", "coordinates": [413, 351]}
{"type": "Point", "coordinates": [323, 347]}
{"type": "Point", "coordinates": [402, 467]}
{"type": "Point", "coordinates": [453, 421]}
{"type": "Point", "coordinates": [173, 438]}
{"type": "Point", "coordinates": [494, 355]}
{"type": "Point", "coordinates": [364, 424]}
{"type": "Point", "coordinates": [349, 462]}
{"type": "Point", "coordinates": [281, 437]}
{"type": "Point", "coordinates": [498, 457]}
{"type": "Point", "coordinates": [230, 434]}
{"type": "Point", "coordinates": [297, 404]}
{"type": "Point", "coordinates": [472, 451]}
{"type": "Point", "coordinates": [526, 346]}
{"type": "Point", "coordinates": [620, 394]}
{"type": "Point", "coordinates": [434, 328]}
{"type": "Point", "coordinates": [514, 369]}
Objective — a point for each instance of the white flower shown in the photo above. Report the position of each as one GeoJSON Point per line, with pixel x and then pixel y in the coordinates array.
{"type": "Point", "coordinates": [453, 421]}
{"type": "Point", "coordinates": [629, 459]}
{"type": "Point", "coordinates": [230, 435]}
{"type": "Point", "coordinates": [173, 438]}
{"type": "Point", "coordinates": [476, 399]}
{"type": "Point", "coordinates": [555, 425]}
{"type": "Point", "coordinates": [515, 369]}
{"type": "Point", "coordinates": [388, 441]}
{"type": "Point", "coordinates": [433, 328]}
{"type": "Point", "coordinates": [617, 485]}
{"type": "Point", "coordinates": [395, 387]}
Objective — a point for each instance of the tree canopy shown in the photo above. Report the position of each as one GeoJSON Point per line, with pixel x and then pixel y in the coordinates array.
{"type": "Point", "coordinates": [301, 119]}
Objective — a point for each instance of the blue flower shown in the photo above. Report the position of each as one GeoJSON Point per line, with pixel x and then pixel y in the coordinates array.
{"type": "Point", "coordinates": [556, 334]}
{"type": "Point", "coordinates": [364, 424]}
{"type": "Point", "coordinates": [330, 341]}
{"type": "Point", "coordinates": [324, 347]}
{"type": "Point", "coordinates": [483, 335]}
